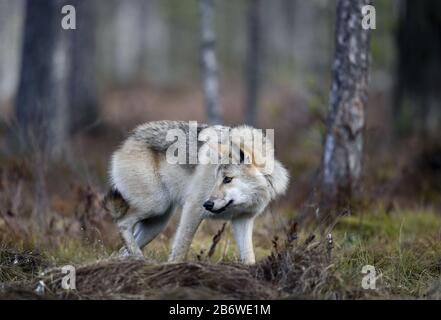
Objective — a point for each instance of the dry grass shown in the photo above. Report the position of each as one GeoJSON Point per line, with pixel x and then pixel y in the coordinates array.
{"type": "Point", "coordinates": [291, 271]}
{"type": "Point", "coordinates": [114, 279]}
{"type": "Point", "coordinates": [19, 266]}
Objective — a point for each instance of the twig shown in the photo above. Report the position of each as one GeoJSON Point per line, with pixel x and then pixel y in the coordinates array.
{"type": "Point", "coordinates": [215, 241]}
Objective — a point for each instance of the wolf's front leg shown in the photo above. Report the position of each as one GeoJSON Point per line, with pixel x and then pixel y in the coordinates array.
{"type": "Point", "coordinates": [243, 233]}
{"type": "Point", "coordinates": [191, 218]}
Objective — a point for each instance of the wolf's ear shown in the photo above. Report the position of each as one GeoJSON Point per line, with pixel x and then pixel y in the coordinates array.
{"type": "Point", "coordinates": [242, 156]}
{"type": "Point", "coordinates": [278, 179]}
{"type": "Point", "coordinates": [238, 154]}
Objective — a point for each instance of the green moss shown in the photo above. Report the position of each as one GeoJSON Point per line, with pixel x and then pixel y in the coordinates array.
{"type": "Point", "coordinates": [403, 246]}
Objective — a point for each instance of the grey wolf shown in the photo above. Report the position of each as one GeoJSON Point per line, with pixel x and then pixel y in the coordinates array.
{"type": "Point", "coordinates": [146, 188]}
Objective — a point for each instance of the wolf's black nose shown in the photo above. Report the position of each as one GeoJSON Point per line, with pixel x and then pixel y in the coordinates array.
{"type": "Point", "coordinates": [208, 205]}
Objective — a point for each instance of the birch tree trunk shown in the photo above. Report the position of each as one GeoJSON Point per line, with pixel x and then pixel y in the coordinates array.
{"type": "Point", "coordinates": [343, 148]}
{"type": "Point", "coordinates": [11, 23]}
{"type": "Point", "coordinates": [127, 36]}
{"type": "Point", "coordinates": [209, 61]}
{"type": "Point", "coordinates": [253, 67]}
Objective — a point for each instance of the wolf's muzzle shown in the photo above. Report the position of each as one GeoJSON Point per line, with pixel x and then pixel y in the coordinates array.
{"type": "Point", "coordinates": [210, 204]}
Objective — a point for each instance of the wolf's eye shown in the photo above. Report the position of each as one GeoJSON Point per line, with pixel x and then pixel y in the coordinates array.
{"type": "Point", "coordinates": [227, 180]}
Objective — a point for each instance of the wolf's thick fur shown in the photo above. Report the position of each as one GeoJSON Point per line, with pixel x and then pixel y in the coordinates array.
{"type": "Point", "coordinates": [152, 188]}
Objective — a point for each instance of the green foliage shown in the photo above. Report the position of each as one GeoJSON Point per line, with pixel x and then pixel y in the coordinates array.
{"type": "Point", "coordinates": [404, 247]}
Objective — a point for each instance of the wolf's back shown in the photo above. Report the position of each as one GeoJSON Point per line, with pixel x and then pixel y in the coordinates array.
{"type": "Point", "coordinates": [154, 133]}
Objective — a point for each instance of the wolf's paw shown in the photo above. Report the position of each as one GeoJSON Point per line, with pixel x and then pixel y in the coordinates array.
{"type": "Point", "coordinates": [124, 253]}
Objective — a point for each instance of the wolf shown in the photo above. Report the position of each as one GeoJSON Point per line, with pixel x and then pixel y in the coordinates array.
{"type": "Point", "coordinates": [146, 188]}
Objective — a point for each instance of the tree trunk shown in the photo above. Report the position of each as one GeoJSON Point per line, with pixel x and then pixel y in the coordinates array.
{"type": "Point", "coordinates": [343, 148]}
{"type": "Point", "coordinates": [418, 80]}
{"type": "Point", "coordinates": [253, 61]}
{"type": "Point", "coordinates": [11, 22]}
{"type": "Point", "coordinates": [128, 44]}
{"type": "Point", "coordinates": [41, 99]}
{"type": "Point", "coordinates": [83, 100]}
{"type": "Point", "coordinates": [209, 62]}
{"type": "Point", "coordinates": [41, 104]}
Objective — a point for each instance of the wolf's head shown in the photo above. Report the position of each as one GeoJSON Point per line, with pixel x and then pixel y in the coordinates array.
{"type": "Point", "coordinates": [247, 184]}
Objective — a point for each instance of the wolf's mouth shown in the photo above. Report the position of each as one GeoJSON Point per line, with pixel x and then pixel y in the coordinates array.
{"type": "Point", "coordinates": [223, 208]}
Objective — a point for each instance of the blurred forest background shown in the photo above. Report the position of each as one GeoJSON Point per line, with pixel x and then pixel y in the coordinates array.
{"type": "Point", "coordinates": [79, 92]}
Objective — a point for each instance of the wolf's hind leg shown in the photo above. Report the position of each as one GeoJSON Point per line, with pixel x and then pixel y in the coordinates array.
{"type": "Point", "coordinates": [146, 230]}
{"type": "Point", "coordinates": [243, 233]}
{"type": "Point", "coordinates": [118, 207]}
{"type": "Point", "coordinates": [126, 226]}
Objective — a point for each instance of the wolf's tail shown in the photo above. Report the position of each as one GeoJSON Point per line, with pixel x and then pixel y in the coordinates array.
{"type": "Point", "coordinates": [115, 204]}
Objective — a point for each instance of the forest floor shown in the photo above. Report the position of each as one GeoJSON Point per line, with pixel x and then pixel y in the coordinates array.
{"type": "Point", "coordinates": [403, 246]}
{"type": "Point", "coordinates": [396, 229]}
